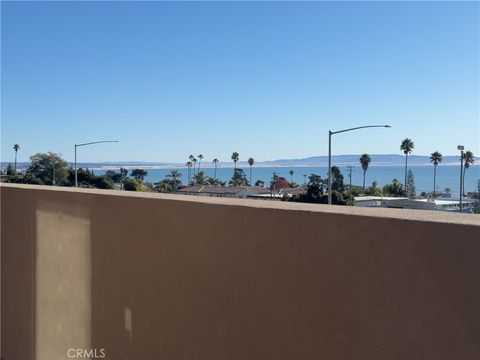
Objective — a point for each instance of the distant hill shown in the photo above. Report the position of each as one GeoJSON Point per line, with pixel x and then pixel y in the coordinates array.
{"type": "Point", "coordinates": [377, 160]}
{"type": "Point", "coordinates": [340, 160]}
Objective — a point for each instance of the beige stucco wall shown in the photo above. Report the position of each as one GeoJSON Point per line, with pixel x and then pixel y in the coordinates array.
{"type": "Point", "coordinates": [150, 276]}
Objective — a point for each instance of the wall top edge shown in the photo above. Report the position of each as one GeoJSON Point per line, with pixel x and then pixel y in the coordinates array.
{"type": "Point", "coordinates": [400, 214]}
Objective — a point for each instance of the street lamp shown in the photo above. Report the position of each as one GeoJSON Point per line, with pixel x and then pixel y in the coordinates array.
{"type": "Point", "coordinates": [85, 144]}
{"type": "Point", "coordinates": [330, 133]}
{"type": "Point", "coordinates": [461, 148]}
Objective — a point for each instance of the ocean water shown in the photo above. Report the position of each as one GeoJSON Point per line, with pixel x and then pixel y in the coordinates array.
{"type": "Point", "coordinates": [447, 175]}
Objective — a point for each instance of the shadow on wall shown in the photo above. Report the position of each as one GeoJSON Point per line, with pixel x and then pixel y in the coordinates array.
{"type": "Point", "coordinates": [150, 278]}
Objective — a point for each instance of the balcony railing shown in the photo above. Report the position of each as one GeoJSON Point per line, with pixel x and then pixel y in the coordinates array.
{"type": "Point", "coordinates": [151, 276]}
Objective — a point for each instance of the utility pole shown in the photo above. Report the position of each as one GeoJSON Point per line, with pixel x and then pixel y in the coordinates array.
{"type": "Point", "coordinates": [350, 169]}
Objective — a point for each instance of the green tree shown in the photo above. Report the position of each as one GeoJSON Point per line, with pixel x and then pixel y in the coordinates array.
{"type": "Point", "coordinates": [194, 164]}
{"type": "Point", "coordinates": [337, 179]}
{"type": "Point", "coordinates": [132, 185]}
{"type": "Point", "coordinates": [163, 186]}
{"type": "Point", "coordinates": [189, 167]}
{"type": "Point", "coordinates": [468, 159]}
{"type": "Point", "coordinates": [175, 176]}
{"type": "Point", "coordinates": [374, 190]}
{"type": "Point", "coordinates": [10, 170]}
{"type": "Point", "coordinates": [138, 174]}
{"type": "Point", "coordinates": [16, 147]}
{"type": "Point", "coordinates": [316, 194]}
{"type": "Point", "coordinates": [435, 159]}
{"type": "Point", "coordinates": [239, 178]}
{"type": "Point", "coordinates": [116, 177]}
{"type": "Point", "coordinates": [476, 208]}
{"type": "Point", "coordinates": [85, 177]}
{"type": "Point", "coordinates": [44, 166]}
{"type": "Point", "coordinates": [291, 172]}
{"type": "Point", "coordinates": [191, 157]}
{"type": "Point", "coordinates": [123, 176]}
{"type": "Point", "coordinates": [25, 179]}
{"type": "Point", "coordinates": [215, 162]}
{"type": "Point", "coordinates": [251, 161]}
{"type": "Point", "coordinates": [103, 182]}
{"type": "Point", "coordinates": [235, 157]}
{"type": "Point", "coordinates": [411, 191]}
{"type": "Point", "coordinates": [260, 183]}
{"type": "Point", "coordinates": [365, 161]}
{"type": "Point", "coordinates": [315, 179]}
{"type": "Point", "coordinates": [407, 147]}
{"type": "Point", "coordinates": [393, 189]}
{"type": "Point", "coordinates": [200, 157]}
{"type": "Point", "coordinates": [200, 178]}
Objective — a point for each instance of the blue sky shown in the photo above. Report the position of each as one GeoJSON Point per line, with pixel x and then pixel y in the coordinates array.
{"type": "Point", "coordinates": [267, 80]}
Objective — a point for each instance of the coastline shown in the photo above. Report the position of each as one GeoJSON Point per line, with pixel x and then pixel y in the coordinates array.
{"type": "Point", "coordinates": [259, 165]}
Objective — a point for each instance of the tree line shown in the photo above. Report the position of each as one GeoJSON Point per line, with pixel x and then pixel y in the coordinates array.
{"type": "Point", "coordinates": [51, 169]}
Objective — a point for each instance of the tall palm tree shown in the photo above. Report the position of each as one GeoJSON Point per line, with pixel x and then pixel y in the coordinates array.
{"type": "Point", "coordinates": [191, 157]}
{"type": "Point", "coordinates": [16, 147]}
{"type": "Point", "coordinates": [194, 162]}
{"type": "Point", "coordinates": [365, 161]}
{"type": "Point", "coordinates": [435, 159]}
{"type": "Point", "coordinates": [291, 176]}
{"type": "Point", "coordinates": [215, 161]}
{"type": "Point", "coordinates": [200, 157]}
{"type": "Point", "coordinates": [407, 147]}
{"type": "Point", "coordinates": [468, 159]}
{"type": "Point", "coordinates": [235, 157]}
{"type": "Point", "coordinates": [189, 166]}
{"type": "Point", "coordinates": [251, 161]}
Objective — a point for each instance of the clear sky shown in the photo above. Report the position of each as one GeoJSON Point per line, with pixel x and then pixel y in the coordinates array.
{"type": "Point", "coordinates": [267, 80]}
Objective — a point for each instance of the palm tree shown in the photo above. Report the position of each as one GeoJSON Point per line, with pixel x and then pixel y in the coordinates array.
{"type": "Point", "coordinates": [251, 161]}
{"type": "Point", "coordinates": [16, 147]}
{"type": "Point", "coordinates": [407, 147]}
{"type": "Point", "coordinates": [200, 157]}
{"type": "Point", "coordinates": [365, 161]}
{"type": "Point", "coordinates": [194, 162]}
{"type": "Point", "coordinates": [175, 175]}
{"type": "Point", "coordinates": [235, 157]}
{"type": "Point", "coordinates": [191, 157]}
{"type": "Point", "coordinates": [189, 166]}
{"type": "Point", "coordinates": [215, 161]}
{"type": "Point", "coordinates": [291, 176]}
{"type": "Point", "coordinates": [468, 159]}
{"type": "Point", "coordinates": [435, 159]}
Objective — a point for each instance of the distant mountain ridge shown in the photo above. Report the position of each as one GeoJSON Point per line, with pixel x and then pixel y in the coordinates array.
{"type": "Point", "coordinates": [340, 160]}
{"type": "Point", "coordinates": [377, 159]}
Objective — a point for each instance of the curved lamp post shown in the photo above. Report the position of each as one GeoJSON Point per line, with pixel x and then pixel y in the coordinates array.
{"type": "Point", "coordinates": [85, 144]}
{"type": "Point", "coordinates": [330, 133]}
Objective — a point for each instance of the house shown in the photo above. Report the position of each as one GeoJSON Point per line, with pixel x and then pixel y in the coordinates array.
{"type": "Point", "coordinates": [420, 204]}
{"type": "Point", "coordinates": [239, 192]}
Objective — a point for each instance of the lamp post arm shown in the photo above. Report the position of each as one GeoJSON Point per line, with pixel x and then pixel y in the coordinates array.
{"type": "Point", "coordinates": [359, 127]}
{"type": "Point", "coordinates": [97, 142]}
